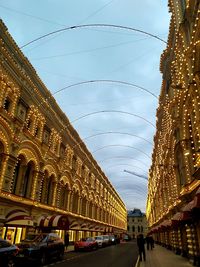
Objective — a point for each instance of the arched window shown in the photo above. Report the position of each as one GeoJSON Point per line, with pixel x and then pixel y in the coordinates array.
{"type": "Point", "coordinates": [47, 189]}
{"type": "Point", "coordinates": [50, 190]}
{"type": "Point", "coordinates": [27, 181]}
{"type": "Point", "coordinates": [75, 202]}
{"type": "Point", "coordinates": [138, 229]}
{"type": "Point", "coordinates": [84, 202]}
{"type": "Point", "coordinates": [23, 178]}
{"type": "Point", "coordinates": [63, 198]}
{"type": "Point", "coordinates": [7, 104]}
{"type": "Point", "coordinates": [17, 182]}
{"type": "Point", "coordinates": [133, 228]}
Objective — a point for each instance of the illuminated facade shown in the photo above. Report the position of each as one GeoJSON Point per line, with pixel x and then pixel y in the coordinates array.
{"type": "Point", "coordinates": [173, 204]}
{"type": "Point", "coordinates": [136, 223]}
{"type": "Point", "coordinates": [48, 178]}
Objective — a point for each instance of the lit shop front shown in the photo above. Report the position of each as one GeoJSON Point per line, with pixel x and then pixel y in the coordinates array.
{"type": "Point", "coordinates": [15, 225]}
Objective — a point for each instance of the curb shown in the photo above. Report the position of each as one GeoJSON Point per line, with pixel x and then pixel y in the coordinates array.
{"type": "Point", "coordinates": [137, 262]}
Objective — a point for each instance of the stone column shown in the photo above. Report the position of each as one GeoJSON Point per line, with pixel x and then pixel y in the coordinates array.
{"type": "Point", "coordinates": [36, 182]}
{"type": "Point", "coordinates": [54, 196]}
{"type": "Point", "coordinates": [79, 208]}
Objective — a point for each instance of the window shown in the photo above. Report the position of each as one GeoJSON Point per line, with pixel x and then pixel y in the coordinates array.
{"type": "Point", "coordinates": [128, 228]}
{"type": "Point", "coordinates": [133, 228]}
{"type": "Point", "coordinates": [7, 104]}
{"type": "Point", "coordinates": [36, 132]}
{"type": "Point", "coordinates": [183, 6]}
{"type": "Point", "coordinates": [46, 136]}
{"type": "Point", "coordinates": [29, 124]}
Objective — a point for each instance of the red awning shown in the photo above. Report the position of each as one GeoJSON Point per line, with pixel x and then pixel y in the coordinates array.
{"type": "Point", "coordinates": [166, 223]}
{"type": "Point", "coordinates": [18, 217]}
{"type": "Point", "coordinates": [196, 203]}
{"type": "Point", "coordinates": [189, 206]}
{"type": "Point", "coordinates": [198, 191]}
{"type": "Point", "coordinates": [60, 222]}
{"type": "Point", "coordinates": [182, 216]}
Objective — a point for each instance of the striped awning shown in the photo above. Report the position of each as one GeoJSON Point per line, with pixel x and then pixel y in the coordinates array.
{"type": "Point", "coordinates": [59, 222]}
{"type": "Point", "coordinates": [166, 224]}
{"type": "Point", "coordinates": [182, 216]}
{"type": "Point", "coordinates": [189, 206]}
{"type": "Point", "coordinates": [18, 217]}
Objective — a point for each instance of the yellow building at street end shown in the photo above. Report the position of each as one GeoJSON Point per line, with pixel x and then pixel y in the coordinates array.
{"type": "Point", "coordinates": [173, 204]}
{"type": "Point", "coordinates": [49, 181]}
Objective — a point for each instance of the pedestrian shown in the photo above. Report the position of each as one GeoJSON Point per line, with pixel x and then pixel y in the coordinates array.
{"type": "Point", "coordinates": [148, 241]}
{"type": "Point", "coordinates": [151, 241]}
{"type": "Point", "coordinates": [141, 248]}
{"type": "Point", "coordinates": [66, 240]}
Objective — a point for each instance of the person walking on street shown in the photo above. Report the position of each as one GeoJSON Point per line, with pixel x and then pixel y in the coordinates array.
{"type": "Point", "coordinates": [141, 248]}
{"type": "Point", "coordinates": [66, 240]}
{"type": "Point", "coordinates": [148, 241]}
{"type": "Point", "coordinates": [151, 241]}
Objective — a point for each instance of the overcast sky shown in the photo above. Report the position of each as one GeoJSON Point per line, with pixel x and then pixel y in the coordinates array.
{"type": "Point", "coordinates": [119, 132]}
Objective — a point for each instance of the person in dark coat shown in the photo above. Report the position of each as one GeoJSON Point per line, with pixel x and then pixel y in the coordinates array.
{"type": "Point", "coordinates": [66, 240]}
{"type": "Point", "coordinates": [141, 248]}
{"type": "Point", "coordinates": [148, 241]}
{"type": "Point", "coordinates": [151, 242]}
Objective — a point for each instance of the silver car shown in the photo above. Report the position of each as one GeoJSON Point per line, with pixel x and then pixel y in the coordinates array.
{"type": "Point", "coordinates": [100, 241]}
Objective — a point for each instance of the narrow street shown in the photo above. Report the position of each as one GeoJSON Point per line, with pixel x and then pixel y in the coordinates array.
{"type": "Point", "coordinates": [124, 254]}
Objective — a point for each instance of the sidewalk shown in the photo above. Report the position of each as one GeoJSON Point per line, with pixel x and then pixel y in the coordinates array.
{"type": "Point", "coordinates": [69, 248]}
{"type": "Point", "coordinates": [162, 257]}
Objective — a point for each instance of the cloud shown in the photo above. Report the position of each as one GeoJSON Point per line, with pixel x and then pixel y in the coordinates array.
{"type": "Point", "coordinates": [125, 55]}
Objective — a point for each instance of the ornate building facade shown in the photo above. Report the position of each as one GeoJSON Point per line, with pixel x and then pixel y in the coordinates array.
{"type": "Point", "coordinates": [136, 223]}
{"type": "Point", "coordinates": [173, 204]}
{"type": "Point", "coordinates": [48, 178]}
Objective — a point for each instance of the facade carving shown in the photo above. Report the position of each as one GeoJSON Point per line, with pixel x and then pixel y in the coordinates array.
{"type": "Point", "coordinates": [173, 204]}
{"type": "Point", "coordinates": [45, 169]}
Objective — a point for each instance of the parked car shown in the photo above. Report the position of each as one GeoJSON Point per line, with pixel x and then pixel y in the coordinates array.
{"type": "Point", "coordinates": [88, 243]}
{"type": "Point", "coordinates": [100, 241]}
{"type": "Point", "coordinates": [106, 240]}
{"type": "Point", "coordinates": [40, 248]}
{"type": "Point", "coordinates": [112, 240]}
{"type": "Point", "coordinates": [8, 253]}
{"type": "Point", "coordinates": [126, 237]}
